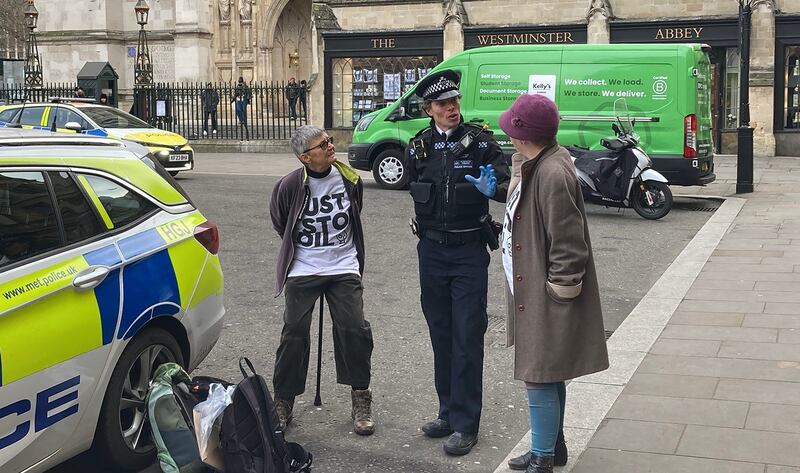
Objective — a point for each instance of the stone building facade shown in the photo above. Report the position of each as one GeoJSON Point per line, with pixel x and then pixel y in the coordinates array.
{"type": "Point", "coordinates": [455, 25]}
{"type": "Point", "coordinates": [358, 55]}
{"type": "Point", "coordinates": [190, 40]}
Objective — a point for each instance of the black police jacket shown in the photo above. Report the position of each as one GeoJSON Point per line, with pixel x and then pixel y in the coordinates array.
{"type": "Point", "coordinates": [443, 199]}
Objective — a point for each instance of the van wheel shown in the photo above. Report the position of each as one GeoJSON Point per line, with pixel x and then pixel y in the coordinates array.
{"type": "Point", "coordinates": [389, 169]}
{"type": "Point", "coordinates": [122, 439]}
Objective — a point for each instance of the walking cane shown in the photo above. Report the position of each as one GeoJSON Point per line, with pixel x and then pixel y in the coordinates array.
{"type": "Point", "coordinates": [317, 398]}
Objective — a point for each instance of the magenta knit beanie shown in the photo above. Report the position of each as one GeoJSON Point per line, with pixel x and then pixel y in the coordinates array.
{"type": "Point", "coordinates": [531, 118]}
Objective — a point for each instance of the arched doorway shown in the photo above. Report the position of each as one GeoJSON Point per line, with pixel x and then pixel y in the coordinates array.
{"type": "Point", "coordinates": [291, 52]}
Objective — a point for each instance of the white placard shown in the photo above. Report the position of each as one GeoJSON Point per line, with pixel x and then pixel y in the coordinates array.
{"type": "Point", "coordinates": [542, 85]}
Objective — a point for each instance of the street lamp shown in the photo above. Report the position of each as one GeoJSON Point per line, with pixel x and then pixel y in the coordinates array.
{"type": "Point", "coordinates": [143, 69]}
{"type": "Point", "coordinates": [33, 63]}
{"type": "Point", "coordinates": [744, 134]}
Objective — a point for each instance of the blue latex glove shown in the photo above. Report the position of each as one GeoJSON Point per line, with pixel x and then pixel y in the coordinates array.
{"type": "Point", "coordinates": [486, 183]}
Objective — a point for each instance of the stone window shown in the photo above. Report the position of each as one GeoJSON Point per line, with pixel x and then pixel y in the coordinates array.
{"type": "Point", "coordinates": [362, 85]}
{"type": "Point", "coordinates": [731, 103]}
{"type": "Point", "coordinates": [791, 110]}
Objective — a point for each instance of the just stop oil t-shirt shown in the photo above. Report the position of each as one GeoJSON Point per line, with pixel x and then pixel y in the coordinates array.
{"type": "Point", "coordinates": [323, 238]}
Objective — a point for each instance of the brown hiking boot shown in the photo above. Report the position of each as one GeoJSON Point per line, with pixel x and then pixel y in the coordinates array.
{"type": "Point", "coordinates": [284, 410]}
{"type": "Point", "coordinates": [362, 412]}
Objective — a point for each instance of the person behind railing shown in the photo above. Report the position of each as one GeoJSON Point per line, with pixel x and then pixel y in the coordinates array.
{"type": "Point", "coordinates": [303, 94]}
{"type": "Point", "coordinates": [79, 92]}
{"type": "Point", "coordinates": [292, 94]}
{"type": "Point", "coordinates": [103, 99]}
{"type": "Point", "coordinates": [241, 96]}
{"type": "Point", "coordinates": [210, 98]}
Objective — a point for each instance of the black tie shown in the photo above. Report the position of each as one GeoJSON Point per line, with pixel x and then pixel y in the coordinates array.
{"type": "Point", "coordinates": [444, 136]}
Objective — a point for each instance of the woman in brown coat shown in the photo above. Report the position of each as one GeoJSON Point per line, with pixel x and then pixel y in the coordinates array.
{"type": "Point", "coordinates": [554, 317]}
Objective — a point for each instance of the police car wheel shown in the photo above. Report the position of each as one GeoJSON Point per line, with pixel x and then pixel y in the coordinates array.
{"type": "Point", "coordinates": [389, 169]}
{"type": "Point", "coordinates": [123, 437]}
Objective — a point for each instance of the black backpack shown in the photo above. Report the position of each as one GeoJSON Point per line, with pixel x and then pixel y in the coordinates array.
{"type": "Point", "coordinates": [250, 439]}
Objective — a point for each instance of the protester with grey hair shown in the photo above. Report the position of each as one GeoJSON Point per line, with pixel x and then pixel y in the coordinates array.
{"type": "Point", "coordinates": [316, 211]}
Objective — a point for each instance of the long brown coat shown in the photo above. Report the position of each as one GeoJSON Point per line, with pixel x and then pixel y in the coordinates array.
{"type": "Point", "coordinates": [554, 318]}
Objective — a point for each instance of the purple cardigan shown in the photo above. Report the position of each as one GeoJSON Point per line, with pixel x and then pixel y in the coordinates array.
{"type": "Point", "coordinates": [286, 206]}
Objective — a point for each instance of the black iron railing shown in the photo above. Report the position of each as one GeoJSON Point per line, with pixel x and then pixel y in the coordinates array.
{"type": "Point", "coordinates": [18, 93]}
{"type": "Point", "coordinates": [255, 111]}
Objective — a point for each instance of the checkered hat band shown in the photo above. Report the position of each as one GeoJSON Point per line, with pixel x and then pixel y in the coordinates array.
{"type": "Point", "coordinates": [442, 85]}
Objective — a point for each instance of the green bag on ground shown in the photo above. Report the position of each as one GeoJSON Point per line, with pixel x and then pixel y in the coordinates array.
{"type": "Point", "coordinates": [169, 412]}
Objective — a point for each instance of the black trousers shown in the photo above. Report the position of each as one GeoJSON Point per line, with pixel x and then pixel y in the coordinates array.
{"type": "Point", "coordinates": [352, 334]}
{"type": "Point", "coordinates": [454, 282]}
{"type": "Point", "coordinates": [293, 107]}
{"type": "Point", "coordinates": [213, 115]}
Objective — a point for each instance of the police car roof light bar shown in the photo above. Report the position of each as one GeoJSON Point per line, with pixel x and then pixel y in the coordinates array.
{"type": "Point", "coordinates": [70, 99]}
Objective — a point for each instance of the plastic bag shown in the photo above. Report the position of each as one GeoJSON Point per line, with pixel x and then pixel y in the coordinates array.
{"type": "Point", "coordinates": [209, 410]}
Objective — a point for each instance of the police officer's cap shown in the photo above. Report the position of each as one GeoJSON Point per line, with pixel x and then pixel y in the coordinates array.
{"type": "Point", "coordinates": [440, 85]}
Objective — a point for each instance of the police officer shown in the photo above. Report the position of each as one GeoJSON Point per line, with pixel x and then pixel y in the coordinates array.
{"type": "Point", "coordinates": [454, 169]}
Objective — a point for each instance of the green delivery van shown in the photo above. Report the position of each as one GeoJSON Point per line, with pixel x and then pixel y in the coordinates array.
{"type": "Point", "coordinates": [666, 87]}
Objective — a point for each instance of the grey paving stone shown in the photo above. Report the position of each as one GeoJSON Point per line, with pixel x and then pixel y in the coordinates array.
{"type": "Point", "coordinates": [774, 417]}
{"type": "Point", "coordinates": [780, 308]}
{"type": "Point", "coordinates": [735, 259]}
{"type": "Point", "coordinates": [743, 296]}
{"type": "Point", "coordinates": [679, 410]}
{"type": "Point", "coordinates": [623, 364]}
{"type": "Point", "coordinates": [700, 332]}
{"type": "Point", "coordinates": [631, 435]}
{"type": "Point", "coordinates": [633, 337]}
{"type": "Point", "coordinates": [771, 321]}
{"type": "Point", "coordinates": [750, 268]}
{"type": "Point", "coordinates": [760, 351]}
{"type": "Point", "coordinates": [758, 253]}
{"type": "Point", "coordinates": [704, 318]}
{"type": "Point", "coordinates": [724, 285]}
{"type": "Point", "coordinates": [588, 403]}
{"type": "Point", "coordinates": [775, 392]}
{"type": "Point", "coordinates": [721, 367]}
{"type": "Point", "coordinates": [782, 469]}
{"type": "Point", "coordinates": [789, 335]}
{"type": "Point", "coordinates": [741, 445]}
{"type": "Point", "coordinates": [728, 307]}
{"type": "Point", "coordinates": [670, 346]}
{"type": "Point", "coordinates": [790, 286]}
{"type": "Point", "coordinates": [737, 276]}
{"type": "Point", "coordinates": [672, 385]}
{"type": "Point", "coordinates": [596, 460]}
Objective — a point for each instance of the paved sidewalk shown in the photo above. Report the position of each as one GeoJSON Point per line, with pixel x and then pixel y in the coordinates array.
{"type": "Point", "coordinates": [705, 371]}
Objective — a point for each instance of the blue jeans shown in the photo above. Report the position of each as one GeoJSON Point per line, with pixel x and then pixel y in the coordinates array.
{"type": "Point", "coordinates": [546, 404]}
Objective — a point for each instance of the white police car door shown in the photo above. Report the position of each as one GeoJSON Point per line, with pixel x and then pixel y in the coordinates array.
{"type": "Point", "coordinates": [58, 311]}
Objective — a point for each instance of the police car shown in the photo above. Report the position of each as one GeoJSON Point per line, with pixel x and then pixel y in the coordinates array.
{"type": "Point", "coordinates": [107, 270]}
{"type": "Point", "coordinates": [87, 117]}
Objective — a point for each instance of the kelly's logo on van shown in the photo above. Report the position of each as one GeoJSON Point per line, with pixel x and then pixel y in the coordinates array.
{"type": "Point", "coordinates": [540, 86]}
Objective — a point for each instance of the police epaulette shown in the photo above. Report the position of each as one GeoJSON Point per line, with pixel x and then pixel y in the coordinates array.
{"type": "Point", "coordinates": [423, 131]}
{"type": "Point", "coordinates": [479, 127]}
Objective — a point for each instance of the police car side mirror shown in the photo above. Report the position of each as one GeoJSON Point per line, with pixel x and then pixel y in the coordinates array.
{"type": "Point", "coordinates": [74, 126]}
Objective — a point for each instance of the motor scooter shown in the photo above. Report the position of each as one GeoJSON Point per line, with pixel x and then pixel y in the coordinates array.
{"type": "Point", "coordinates": [622, 174]}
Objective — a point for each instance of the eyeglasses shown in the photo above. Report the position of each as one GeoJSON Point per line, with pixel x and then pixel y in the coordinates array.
{"type": "Point", "coordinates": [323, 145]}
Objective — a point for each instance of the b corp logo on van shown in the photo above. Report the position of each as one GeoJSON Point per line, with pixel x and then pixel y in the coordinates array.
{"type": "Point", "coordinates": [659, 88]}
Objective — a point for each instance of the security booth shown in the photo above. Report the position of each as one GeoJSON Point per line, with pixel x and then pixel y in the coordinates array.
{"type": "Point", "coordinates": [97, 79]}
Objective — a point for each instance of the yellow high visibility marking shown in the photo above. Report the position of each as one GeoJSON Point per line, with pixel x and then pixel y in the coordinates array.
{"type": "Point", "coordinates": [96, 201]}
{"type": "Point", "coordinates": [45, 321]}
{"type": "Point", "coordinates": [35, 285]}
{"type": "Point", "coordinates": [45, 116]}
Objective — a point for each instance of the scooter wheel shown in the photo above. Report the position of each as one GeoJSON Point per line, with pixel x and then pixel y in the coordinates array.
{"type": "Point", "coordinates": [654, 201]}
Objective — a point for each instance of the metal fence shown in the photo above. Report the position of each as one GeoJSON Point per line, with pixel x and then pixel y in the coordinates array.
{"type": "Point", "coordinates": [18, 93]}
{"type": "Point", "coordinates": [260, 112]}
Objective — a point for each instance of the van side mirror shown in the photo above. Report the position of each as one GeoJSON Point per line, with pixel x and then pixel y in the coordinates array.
{"type": "Point", "coordinates": [615, 128]}
{"type": "Point", "coordinates": [74, 126]}
{"type": "Point", "coordinates": [398, 114]}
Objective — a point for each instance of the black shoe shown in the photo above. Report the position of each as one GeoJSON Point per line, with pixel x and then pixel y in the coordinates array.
{"type": "Point", "coordinates": [521, 462]}
{"type": "Point", "coordinates": [540, 464]}
{"type": "Point", "coordinates": [437, 428]}
{"type": "Point", "coordinates": [460, 443]}
{"type": "Point", "coordinates": [560, 459]}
